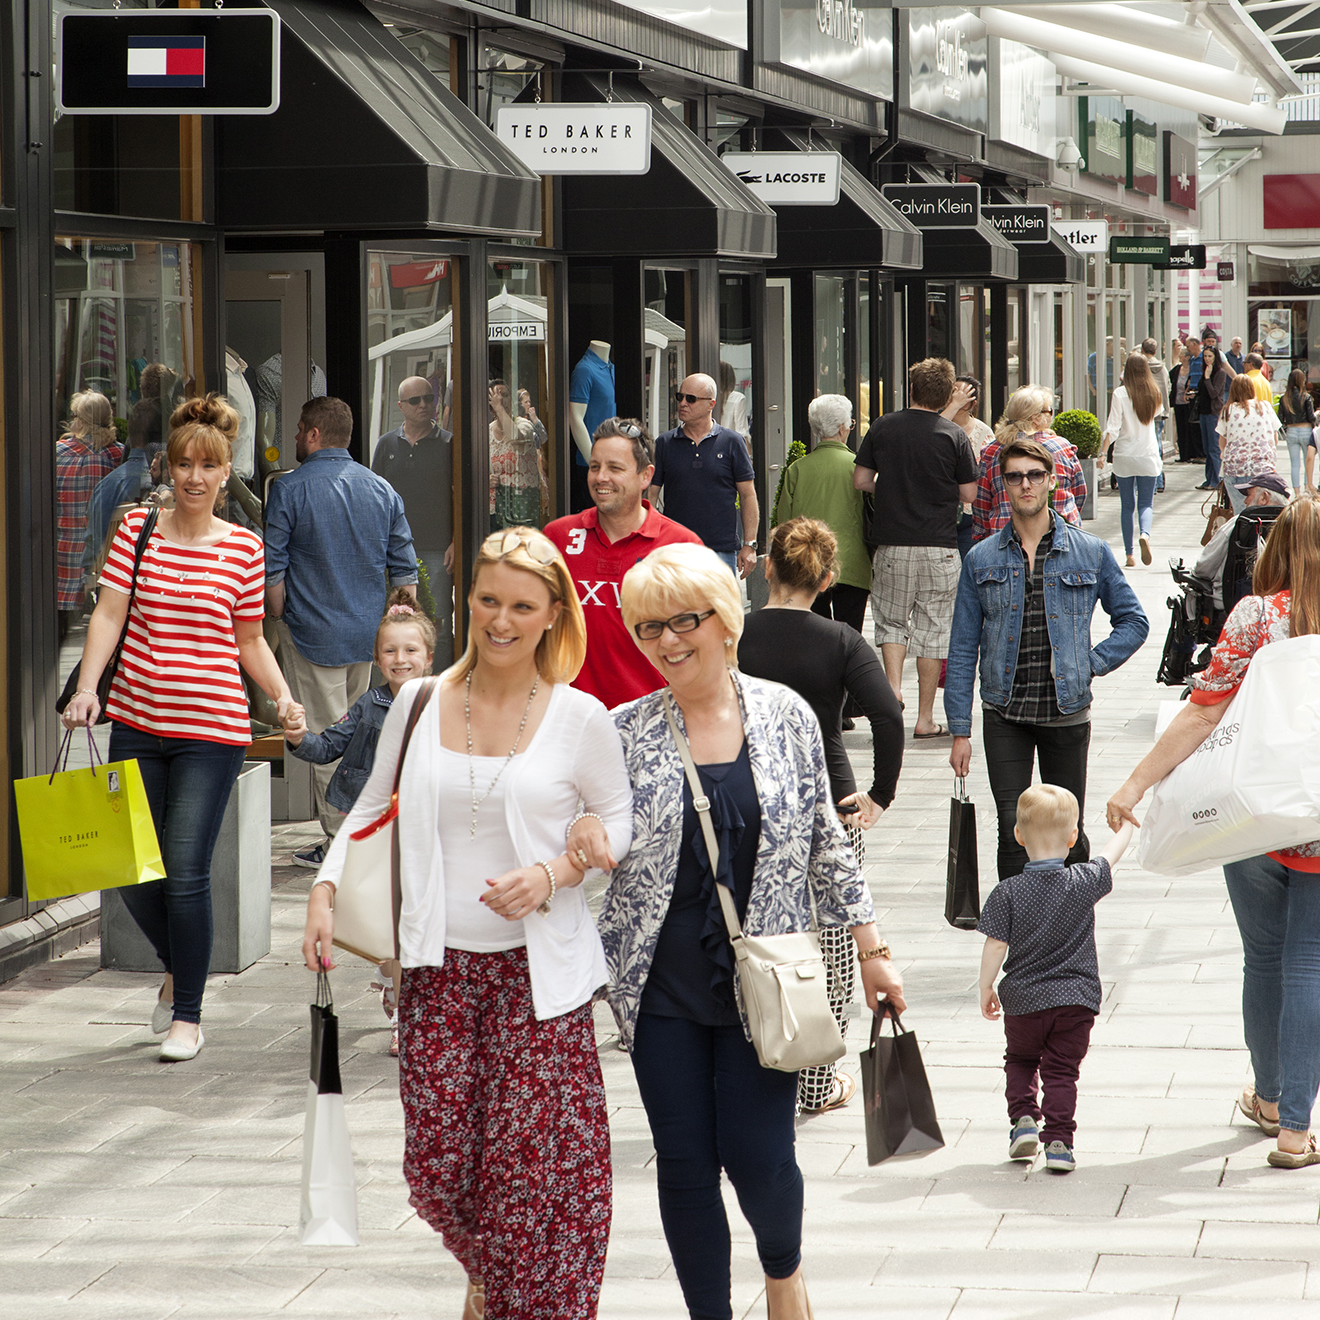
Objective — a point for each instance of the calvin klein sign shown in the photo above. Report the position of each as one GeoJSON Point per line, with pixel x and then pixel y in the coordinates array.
{"type": "Point", "coordinates": [789, 178]}
{"type": "Point", "coordinates": [850, 42]}
{"type": "Point", "coordinates": [947, 65]}
{"type": "Point", "coordinates": [1020, 224]}
{"type": "Point", "coordinates": [936, 206]}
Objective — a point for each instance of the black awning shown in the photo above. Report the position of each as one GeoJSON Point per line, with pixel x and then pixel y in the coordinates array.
{"type": "Point", "coordinates": [365, 138]}
{"type": "Point", "coordinates": [1055, 262]}
{"type": "Point", "coordinates": [980, 253]}
{"type": "Point", "coordinates": [862, 231]}
{"type": "Point", "coordinates": [689, 204]}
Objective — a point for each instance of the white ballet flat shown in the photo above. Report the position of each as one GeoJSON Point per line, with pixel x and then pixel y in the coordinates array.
{"type": "Point", "coordinates": [174, 1050]}
{"type": "Point", "coordinates": [162, 1016]}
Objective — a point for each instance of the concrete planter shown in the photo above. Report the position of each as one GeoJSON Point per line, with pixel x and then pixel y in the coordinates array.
{"type": "Point", "coordinates": [240, 889]}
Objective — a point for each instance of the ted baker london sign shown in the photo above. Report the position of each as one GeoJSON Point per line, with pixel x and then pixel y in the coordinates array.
{"type": "Point", "coordinates": [567, 138]}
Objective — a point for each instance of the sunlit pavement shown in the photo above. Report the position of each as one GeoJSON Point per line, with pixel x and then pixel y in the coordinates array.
{"type": "Point", "coordinates": [134, 1189]}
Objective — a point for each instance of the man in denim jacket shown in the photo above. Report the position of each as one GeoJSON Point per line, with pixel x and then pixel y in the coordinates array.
{"type": "Point", "coordinates": [1025, 600]}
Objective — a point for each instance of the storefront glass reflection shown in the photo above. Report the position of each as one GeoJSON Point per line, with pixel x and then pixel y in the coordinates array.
{"type": "Point", "coordinates": [832, 345]}
{"type": "Point", "coordinates": [733, 406]}
{"type": "Point", "coordinates": [666, 294]}
{"type": "Point", "coordinates": [1283, 298]}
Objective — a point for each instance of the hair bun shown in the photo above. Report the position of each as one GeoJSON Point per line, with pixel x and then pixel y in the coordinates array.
{"type": "Point", "coordinates": [210, 410]}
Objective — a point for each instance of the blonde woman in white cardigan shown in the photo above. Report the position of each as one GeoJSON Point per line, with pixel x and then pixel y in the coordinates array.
{"type": "Point", "coordinates": [507, 1150]}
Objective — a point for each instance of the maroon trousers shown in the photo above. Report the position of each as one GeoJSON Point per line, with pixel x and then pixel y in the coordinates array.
{"type": "Point", "coordinates": [1051, 1044]}
{"type": "Point", "coordinates": [506, 1134]}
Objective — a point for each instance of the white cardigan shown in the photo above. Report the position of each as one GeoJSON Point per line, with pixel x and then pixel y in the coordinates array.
{"type": "Point", "coordinates": [575, 756]}
{"type": "Point", "coordinates": [1136, 446]}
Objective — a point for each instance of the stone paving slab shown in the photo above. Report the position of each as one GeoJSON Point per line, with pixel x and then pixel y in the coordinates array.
{"type": "Point", "coordinates": [132, 1189]}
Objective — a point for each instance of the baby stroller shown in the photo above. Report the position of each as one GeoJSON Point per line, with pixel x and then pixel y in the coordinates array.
{"type": "Point", "coordinates": [1197, 621]}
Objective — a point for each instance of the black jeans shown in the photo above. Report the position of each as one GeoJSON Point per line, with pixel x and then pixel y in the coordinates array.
{"type": "Point", "coordinates": [843, 603]}
{"type": "Point", "coordinates": [1010, 750]}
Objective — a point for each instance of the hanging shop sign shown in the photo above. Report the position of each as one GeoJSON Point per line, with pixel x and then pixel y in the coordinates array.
{"type": "Point", "coordinates": [1180, 171]}
{"type": "Point", "coordinates": [1022, 101]}
{"type": "Point", "coordinates": [168, 62]}
{"type": "Point", "coordinates": [1084, 235]}
{"type": "Point", "coordinates": [1143, 144]}
{"type": "Point", "coordinates": [1126, 250]}
{"type": "Point", "coordinates": [937, 205]}
{"type": "Point", "coordinates": [789, 178]}
{"type": "Point", "coordinates": [1102, 128]}
{"type": "Point", "coordinates": [845, 41]}
{"type": "Point", "coordinates": [569, 138]}
{"type": "Point", "coordinates": [1224, 272]}
{"type": "Point", "coordinates": [947, 67]}
{"type": "Point", "coordinates": [1020, 224]}
{"type": "Point", "coordinates": [1184, 256]}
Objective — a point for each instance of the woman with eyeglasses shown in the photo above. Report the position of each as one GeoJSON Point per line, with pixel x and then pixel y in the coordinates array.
{"type": "Point", "coordinates": [761, 761]}
{"type": "Point", "coordinates": [506, 1135]}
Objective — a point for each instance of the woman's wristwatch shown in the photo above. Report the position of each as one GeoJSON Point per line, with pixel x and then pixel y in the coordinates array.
{"type": "Point", "coordinates": [881, 950]}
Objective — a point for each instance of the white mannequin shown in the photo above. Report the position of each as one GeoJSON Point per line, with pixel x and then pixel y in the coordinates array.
{"type": "Point", "coordinates": [577, 412]}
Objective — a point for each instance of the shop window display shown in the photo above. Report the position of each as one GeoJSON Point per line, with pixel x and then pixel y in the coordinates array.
{"type": "Point", "coordinates": [666, 346]}
{"type": "Point", "coordinates": [733, 406]}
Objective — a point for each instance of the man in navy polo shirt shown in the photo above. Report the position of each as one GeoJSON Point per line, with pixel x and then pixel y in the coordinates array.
{"type": "Point", "coordinates": [706, 474]}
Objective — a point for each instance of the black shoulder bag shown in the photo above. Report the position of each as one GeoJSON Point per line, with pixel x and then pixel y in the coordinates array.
{"type": "Point", "coordinates": [112, 665]}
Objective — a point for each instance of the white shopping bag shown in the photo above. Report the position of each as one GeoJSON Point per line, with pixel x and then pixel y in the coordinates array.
{"type": "Point", "coordinates": [1254, 785]}
{"type": "Point", "coordinates": [328, 1214]}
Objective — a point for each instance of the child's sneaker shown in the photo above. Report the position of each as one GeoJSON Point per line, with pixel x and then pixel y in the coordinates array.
{"type": "Point", "coordinates": [1059, 1158]}
{"type": "Point", "coordinates": [1023, 1138]}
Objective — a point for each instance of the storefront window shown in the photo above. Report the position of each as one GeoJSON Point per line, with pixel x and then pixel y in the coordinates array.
{"type": "Point", "coordinates": [523, 416]}
{"type": "Point", "coordinates": [862, 404]}
{"type": "Point", "coordinates": [125, 355]}
{"type": "Point", "coordinates": [974, 336]}
{"type": "Point", "coordinates": [119, 165]}
{"type": "Point", "coordinates": [831, 335]}
{"type": "Point", "coordinates": [939, 342]}
{"type": "Point", "coordinates": [733, 407]}
{"type": "Point", "coordinates": [666, 346]}
{"type": "Point", "coordinates": [1017, 342]}
{"type": "Point", "coordinates": [412, 375]}
{"type": "Point", "coordinates": [1283, 297]}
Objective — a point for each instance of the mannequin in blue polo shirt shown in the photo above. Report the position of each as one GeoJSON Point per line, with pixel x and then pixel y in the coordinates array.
{"type": "Point", "coordinates": [590, 402]}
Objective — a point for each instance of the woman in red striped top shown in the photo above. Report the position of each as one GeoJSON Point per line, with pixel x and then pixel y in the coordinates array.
{"type": "Point", "coordinates": [177, 704]}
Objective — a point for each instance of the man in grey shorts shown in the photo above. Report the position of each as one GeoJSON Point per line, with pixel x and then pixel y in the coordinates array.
{"type": "Point", "coordinates": [920, 467]}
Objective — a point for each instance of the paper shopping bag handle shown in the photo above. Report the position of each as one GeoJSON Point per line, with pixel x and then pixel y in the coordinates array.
{"type": "Point", "coordinates": [62, 756]}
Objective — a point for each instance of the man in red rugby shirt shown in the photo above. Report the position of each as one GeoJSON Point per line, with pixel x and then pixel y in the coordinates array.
{"type": "Point", "coordinates": [600, 545]}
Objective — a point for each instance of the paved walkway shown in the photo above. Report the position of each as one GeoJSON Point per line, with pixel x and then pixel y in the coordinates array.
{"type": "Point", "coordinates": [131, 1189]}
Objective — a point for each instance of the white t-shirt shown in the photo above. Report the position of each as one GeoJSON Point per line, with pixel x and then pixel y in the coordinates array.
{"type": "Point", "coordinates": [470, 862]}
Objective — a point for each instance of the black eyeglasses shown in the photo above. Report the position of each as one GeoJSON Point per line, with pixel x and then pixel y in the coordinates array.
{"type": "Point", "coordinates": [415, 399]}
{"type": "Point", "coordinates": [1032, 478]}
{"type": "Point", "coordinates": [693, 398]}
{"type": "Point", "coordinates": [649, 629]}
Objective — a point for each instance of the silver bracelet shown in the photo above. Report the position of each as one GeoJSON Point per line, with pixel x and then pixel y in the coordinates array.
{"type": "Point", "coordinates": [582, 815]}
{"type": "Point", "coordinates": [554, 886]}
{"type": "Point", "coordinates": [330, 885]}
{"type": "Point", "coordinates": [88, 692]}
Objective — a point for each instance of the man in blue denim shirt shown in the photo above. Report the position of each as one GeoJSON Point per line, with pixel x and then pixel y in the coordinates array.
{"type": "Point", "coordinates": [334, 532]}
{"type": "Point", "coordinates": [1025, 601]}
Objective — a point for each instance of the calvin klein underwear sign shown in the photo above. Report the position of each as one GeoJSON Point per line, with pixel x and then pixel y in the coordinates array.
{"type": "Point", "coordinates": [936, 205]}
{"type": "Point", "coordinates": [789, 178]}
{"type": "Point", "coordinates": [1020, 224]}
{"type": "Point", "coordinates": [568, 138]}
{"type": "Point", "coordinates": [168, 62]}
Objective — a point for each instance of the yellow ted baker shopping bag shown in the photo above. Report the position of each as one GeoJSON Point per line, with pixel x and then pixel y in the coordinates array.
{"type": "Point", "coordinates": [86, 829]}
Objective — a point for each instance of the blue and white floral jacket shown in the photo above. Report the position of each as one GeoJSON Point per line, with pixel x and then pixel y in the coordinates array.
{"type": "Point", "coordinates": [802, 852]}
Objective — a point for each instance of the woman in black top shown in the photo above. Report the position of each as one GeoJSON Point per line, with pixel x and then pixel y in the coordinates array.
{"type": "Point", "coordinates": [826, 662]}
{"type": "Point", "coordinates": [1297, 413]}
{"type": "Point", "coordinates": [1211, 394]}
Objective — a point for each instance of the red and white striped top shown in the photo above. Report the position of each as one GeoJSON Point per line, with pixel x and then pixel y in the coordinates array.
{"type": "Point", "coordinates": [179, 677]}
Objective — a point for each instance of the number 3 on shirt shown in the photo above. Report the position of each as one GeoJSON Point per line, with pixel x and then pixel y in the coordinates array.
{"type": "Point", "coordinates": [577, 538]}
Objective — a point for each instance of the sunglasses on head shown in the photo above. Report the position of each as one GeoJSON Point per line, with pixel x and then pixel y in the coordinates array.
{"type": "Point", "coordinates": [693, 398]}
{"type": "Point", "coordinates": [500, 544]}
{"type": "Point", "coordinates": [1032, 478]}
{"type": "Point", "coordinates": [415, 399]}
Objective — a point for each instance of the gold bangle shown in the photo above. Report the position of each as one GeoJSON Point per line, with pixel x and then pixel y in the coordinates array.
{"type": "Point", "coordinates": [881, 950]}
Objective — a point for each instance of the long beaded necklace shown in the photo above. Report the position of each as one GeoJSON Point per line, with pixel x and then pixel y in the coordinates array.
{"type": "Point", "coordinates": [472, 769]}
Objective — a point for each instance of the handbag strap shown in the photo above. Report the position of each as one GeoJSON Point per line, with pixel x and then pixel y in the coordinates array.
{"type": "Point", "coordinates": [143, 536]}
{"type": "Point", "coordinates": [702, 803]}
{"type": "Point", "coordinates": [396, 885]}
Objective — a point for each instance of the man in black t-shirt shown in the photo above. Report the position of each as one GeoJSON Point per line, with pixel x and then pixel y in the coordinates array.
{"type": "Point", "coordinates": [920, 467]}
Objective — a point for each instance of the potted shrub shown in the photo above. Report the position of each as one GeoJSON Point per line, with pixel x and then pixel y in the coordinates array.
{"type": "Point", "coordinates": [1082, 429]}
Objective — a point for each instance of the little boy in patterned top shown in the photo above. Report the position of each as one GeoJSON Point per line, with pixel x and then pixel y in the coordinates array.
{"type": "Point", "coordinates": [1044, 919]}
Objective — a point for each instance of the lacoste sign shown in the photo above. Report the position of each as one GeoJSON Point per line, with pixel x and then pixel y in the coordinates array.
{"type": "Point", "coordinates": [937, 206]}
{"type": "Point", "coordinates": [789, 178]}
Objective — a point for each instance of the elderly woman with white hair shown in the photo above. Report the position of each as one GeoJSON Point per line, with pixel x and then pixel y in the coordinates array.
{"type": "Point", "coordinates": [674, 986]}
{"type": "Point", "coordinates": [820, 485]}
{"type": "Point", "coordinates": [1029, 412]}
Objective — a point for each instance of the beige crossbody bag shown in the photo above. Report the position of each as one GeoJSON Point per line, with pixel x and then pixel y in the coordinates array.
{"type": "Point", "coordinates": [783, 978]}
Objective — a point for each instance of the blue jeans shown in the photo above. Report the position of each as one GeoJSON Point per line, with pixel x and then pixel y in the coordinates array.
{"type": "Point", "coordinates": [1278, 917]}
{"type": "Point", "coordinates": [729, 557]}
{"type": "Point", "coordinates": [1298, 437]}
{"type": "Point", "coordinates": [1143, 488]}
{"type": "Point", "coordinates": [188, 782]}
{"type": "Point", "coordinates": [711, 1105]}
{"type": "Point", "coordinates": [1210, 443]}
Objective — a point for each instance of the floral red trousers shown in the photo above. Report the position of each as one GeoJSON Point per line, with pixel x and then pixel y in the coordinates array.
{"type": "Point", "coordinates": [506, 1135]}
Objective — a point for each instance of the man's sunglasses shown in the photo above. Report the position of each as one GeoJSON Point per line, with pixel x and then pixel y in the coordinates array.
{"type": "Point", "coordinates": [1032, 478]}
{"type": "Point", "coordinates": [649, 629]}
{"type": "Point", "coordinates": [415, 399]}
{"type": "Point", "coordinates": [693, 398]}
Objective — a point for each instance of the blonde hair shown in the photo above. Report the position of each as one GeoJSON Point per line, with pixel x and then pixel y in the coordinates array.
{"type": "Point", "coordinates": [1022, 406]}
{"type": "Point", "coordinates": [1046, 812]}
{"type": "Point", "coordinates": [563, 645]}
{"type": "Point", "coordinates": [208, 424]}
{"type": "Point", "coordinates": [682, 577]}
{"type": "Point", "coordinates": [92, 419]}
{"type": "Point", "coordinates": [400, 608]}
{"type": "Point", "coordinates": [1290, 562]}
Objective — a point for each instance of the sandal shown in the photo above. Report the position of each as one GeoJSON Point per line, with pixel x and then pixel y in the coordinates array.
{"type": "Point", "coordinates": [1250, 1106]}
{"type": "Point", "coordinates": [474, 1304]}
{"type": "Point", "coordinates": [1286, 1159]}
{"type": "Point", "coordinates": [939, 732]}
{"type": "Point", "coordinates": [844, 1090]}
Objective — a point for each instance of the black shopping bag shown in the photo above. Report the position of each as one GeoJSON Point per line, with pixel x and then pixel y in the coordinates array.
{"type": "Point", "coordinates": [900, 1111]}
{"type": "Point", "coordinates": [962, 888]}
{"type": "Point", "coordinates": [328, 1213]}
